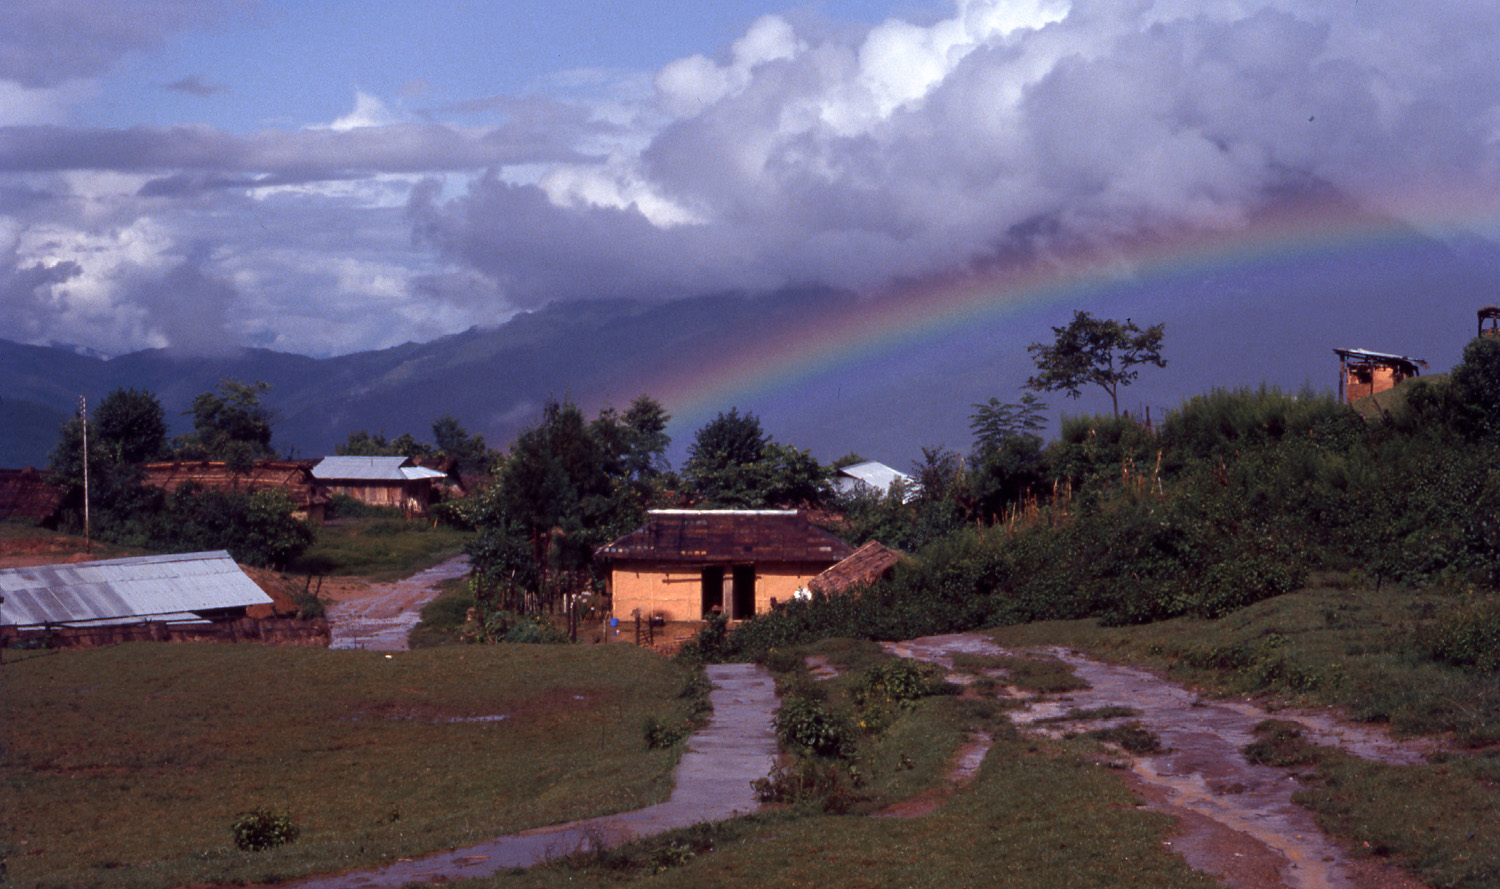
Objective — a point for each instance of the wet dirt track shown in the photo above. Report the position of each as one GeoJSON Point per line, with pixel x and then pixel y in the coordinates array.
{"type": "Point", "coordinates": [379, 616]}
{"type": "Point", "coordinates": [1236, 820]}
{"type": "Point", "coordinates": [712, 782]}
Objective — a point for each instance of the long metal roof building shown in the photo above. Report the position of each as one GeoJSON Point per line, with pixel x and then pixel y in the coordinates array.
{"type": "Point", "coordinates": [372, 469]}
{"type": "Point", "coordinates": [175, 587]}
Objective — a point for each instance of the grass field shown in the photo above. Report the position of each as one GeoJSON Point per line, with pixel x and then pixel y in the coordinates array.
{"type": "Point", "coordinates": [1039, 815]}
{"type": "Point", "coordinates": [125, 766]}
{"type": "Point", "coordinates": [380, 549]}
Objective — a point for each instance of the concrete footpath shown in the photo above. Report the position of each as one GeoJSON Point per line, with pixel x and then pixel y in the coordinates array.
{"type": "Point", "coordinates": [712, 784]}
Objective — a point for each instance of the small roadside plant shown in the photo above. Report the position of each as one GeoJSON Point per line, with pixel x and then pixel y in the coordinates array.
{"type": "Point", "coordinates": [1279, 742]}
{"type": "Point", "coordinates": [260, 829]}
{"type": "Point", "coordinates": [810, 727]}
{"type": "Point", "coordinates": [660, 734]}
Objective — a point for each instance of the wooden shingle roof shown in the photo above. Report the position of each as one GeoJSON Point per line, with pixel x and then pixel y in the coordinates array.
{"type": "Point", "coordinates": [727, 536]}
{"type": "Point", "coordinates": [868, 564]}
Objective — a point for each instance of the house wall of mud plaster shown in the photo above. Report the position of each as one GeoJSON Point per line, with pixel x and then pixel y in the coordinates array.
{"type": "Point", "coordinates": [411, 498]}
{"type": "Point", "coordinates": [674, 590]}
{"type": "Point", "coordinates": [1370, 379]}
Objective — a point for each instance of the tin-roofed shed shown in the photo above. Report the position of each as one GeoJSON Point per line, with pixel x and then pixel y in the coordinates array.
{"type": "Point", "coordinates": [394, 482]}
{"type": "Point", "coordinates": [675, 566]}
{"type": "Point", "coordinates": [1363, 373]}
{"type": "Point", "coordinates": [182, 587]}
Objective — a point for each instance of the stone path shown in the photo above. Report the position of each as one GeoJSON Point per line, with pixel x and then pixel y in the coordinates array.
{"type": "Point", "coordinates": [713, 783]}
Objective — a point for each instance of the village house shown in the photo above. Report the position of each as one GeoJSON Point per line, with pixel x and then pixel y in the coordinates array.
{"type": "Point", "coordinates": [291, 476]}
{"type": "Point", "coordinates": [873, 477]}
{"type": "Point", "coordinates": [394, 482]}
{"type": "Point", "coordinates": [688, 564]}
{"type": "Point", "coordinates": [1364, 373]}
{"type": "Point", "coordinates": [1492, 315]}
{"type": "Point", "coordinates": [173, 598]}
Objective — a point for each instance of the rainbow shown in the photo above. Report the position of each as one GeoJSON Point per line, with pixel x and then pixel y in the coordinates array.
{"type": "Point", "coordinates": [901, 317]}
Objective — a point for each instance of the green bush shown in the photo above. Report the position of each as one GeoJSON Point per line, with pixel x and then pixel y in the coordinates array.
{"type": "Point", "coordinates": [261, 829]}
{"type": "Point", "coordinates": [1467, 635]}
{"type": "Point", "coordinates": [809, 726]}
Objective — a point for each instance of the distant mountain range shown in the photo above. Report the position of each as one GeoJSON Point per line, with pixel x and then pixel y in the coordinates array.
{"type": "Point", "coordinates": [494, 381]}
{"type": "Point", "coordinates": [1272, 320]}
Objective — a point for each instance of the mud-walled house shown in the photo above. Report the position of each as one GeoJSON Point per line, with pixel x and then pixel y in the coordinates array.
{"type": "Point", "coordinates": [1363, 373]}
{"type": "Point", "coordinates": [394, 482]}
{"type": "Point", "coordinates": [687, 564]}
{"type": "Point", "coordinates": [293, 477]}
{"type": "Point", "coordinates": [1492, 315]}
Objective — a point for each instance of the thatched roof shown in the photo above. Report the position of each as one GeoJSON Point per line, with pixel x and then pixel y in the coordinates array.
{"type": "Point", "coordinates": [727, 536]}
{"type": "Point", "coordinates": [866, 565]}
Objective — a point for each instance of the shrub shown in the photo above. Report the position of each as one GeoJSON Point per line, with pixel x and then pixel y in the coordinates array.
{"type": "Point", "coordinates": [1466, 635]}
{"type": "Point", "coordinates": [825, 784]}
{"type": "Point", "coordinates": [808, 726]}
{"type": "Point", "coordinates": [659, 734]}
{"type": "Point", "coordinates": [261, 829]}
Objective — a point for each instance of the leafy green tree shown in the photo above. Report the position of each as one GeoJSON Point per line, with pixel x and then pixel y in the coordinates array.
{"type": "Point", "coordinates": [646, 451]}
{"type": "Point", "coordinates": [452, 440]}
{"type": "Point", "coordinates": [1475, 384]}
{"type": "Point", "coordinates": [231, 424]}
{"type": "Point", "coordinates": [127, 428]}
{"type": "Point", "coordinates": [1093, 351]}
{"type": "Point", "coordinates": [732, 462]}
{"type": "Point", "coordinates": [558, 495]}
{"type": "Point", "coordinates": [132, 426]}
{"type": "Point", "coordinates": [362, 444]}
{"type": "Point", "coordinates": [995, 422]}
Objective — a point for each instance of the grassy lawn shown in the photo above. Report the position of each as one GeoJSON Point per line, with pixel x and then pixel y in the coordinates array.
{"type": "Point", "coordinates": [1039, 815]}
{"type": "Point", "coordinates": [1355, 649]}
{"type": "Point", "coordinates": [125, 766]}
{"type": "Point", "coordinates": [1360, 651]}
{"type": "Point", "coordinates": [381, 549]}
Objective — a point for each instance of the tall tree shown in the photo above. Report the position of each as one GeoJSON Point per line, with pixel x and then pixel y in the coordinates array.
{"type": "Point", "coordinates": [452, 440]}
{"type": "Point", "coordinates": [132, 426]}
{"type": "Point", "coordinates": [1095, 351]}
{"type": "Point", "coordinates": [732, 462]}
{"type": "Point", "coordinates": [558, 494]}
{"type": "Point", "coordinates": [232, 424]}
{"type": "Point", "coordinates": [995, 422]}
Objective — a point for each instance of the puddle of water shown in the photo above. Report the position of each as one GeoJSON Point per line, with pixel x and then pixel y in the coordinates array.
{"type": "Point", "coordinates": [1238, 819]}
{"type": "Point", "coordinates": [380, 619]}
{"type": "Point", "coordinates": [712, 783]}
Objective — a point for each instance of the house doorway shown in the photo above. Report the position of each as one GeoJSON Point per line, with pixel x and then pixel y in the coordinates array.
{"type": "Point", "coordinates": [743, 591]}
{"type": "Point", "coordinates": [713, 590]}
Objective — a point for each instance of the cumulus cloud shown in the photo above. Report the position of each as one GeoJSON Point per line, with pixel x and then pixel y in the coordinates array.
{"type": "Point", "coordinates": [921, 149]}
{"type": "Point", "coordinates": [851, 157]}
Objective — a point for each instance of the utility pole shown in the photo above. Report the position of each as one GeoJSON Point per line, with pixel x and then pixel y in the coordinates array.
{"type": "Point", "coordinates": [83, 414]}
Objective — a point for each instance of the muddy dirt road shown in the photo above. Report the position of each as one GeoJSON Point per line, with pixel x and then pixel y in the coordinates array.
{"type": "Point", "coordinates": [1237, 820]}
{"type": "Point", "coordinates": [378, 616]}
{"type": "Point", "coordinates": [712, 782]}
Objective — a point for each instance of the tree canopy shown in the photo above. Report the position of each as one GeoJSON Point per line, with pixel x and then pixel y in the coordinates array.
{"type": "Point", "coordinates": [1093, 351]}
{"type": "Point", "coordinates": [732, 462]}
{"type": "Point", "coordinates": [232, 424]}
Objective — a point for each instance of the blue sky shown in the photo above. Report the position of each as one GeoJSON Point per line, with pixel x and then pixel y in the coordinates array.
{"type": "Point", "coordinates": [327, 177]}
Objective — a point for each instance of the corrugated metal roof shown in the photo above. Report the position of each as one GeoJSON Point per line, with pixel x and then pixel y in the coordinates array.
{"type": "Point", "coordinates": [412, 473]}
{"type": "Point", "coordinates": [728, 536]}
{"type": "Point", "coordinates": [875, 475]}
{"type": "Point", "coordinates": [124, 589]}
{"type": "Point", "coordinates": [363, 468]}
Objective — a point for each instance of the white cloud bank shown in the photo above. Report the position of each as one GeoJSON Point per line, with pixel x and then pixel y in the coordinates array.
{"type": "Point", "coordinates": [799, 154]}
